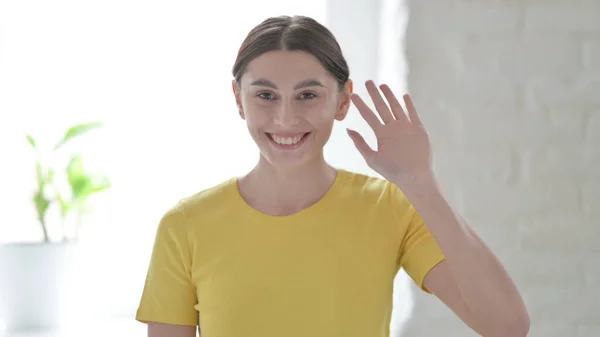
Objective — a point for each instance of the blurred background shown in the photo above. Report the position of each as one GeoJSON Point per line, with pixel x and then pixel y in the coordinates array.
{"type": "Point", "coordinates": [127, 105]}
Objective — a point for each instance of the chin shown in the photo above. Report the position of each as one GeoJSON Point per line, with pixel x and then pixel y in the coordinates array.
{"type": "Point", "coordinates": [287, 162]}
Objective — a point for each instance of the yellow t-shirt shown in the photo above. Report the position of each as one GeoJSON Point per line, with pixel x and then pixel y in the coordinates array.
{"type": "Point", "coordinates": [325, 271]}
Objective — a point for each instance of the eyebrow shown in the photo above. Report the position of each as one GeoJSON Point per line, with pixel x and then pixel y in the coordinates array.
{"type": "Point", "coordinates": [304, 84]}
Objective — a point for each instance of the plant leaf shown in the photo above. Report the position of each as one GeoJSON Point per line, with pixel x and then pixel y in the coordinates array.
{"type": "Point", "coordinates": [50, 175]}
{"type": "Point", "coordinates": [76, 131]}
{"type": "Point", "coordinates": [31, 141]}
{"type": "Point", "coordinates": [41, 204]}
{"type": "Point", "coordinates": [84, 184]}
{"type": "Point", "coordinates": [99, 183]}
{"type": "Point", "coordinates": [65, 206]}
{"type": "Point", "coordinates": [41, 177]}
{"type": "Point", "coordinates": [75, 173]}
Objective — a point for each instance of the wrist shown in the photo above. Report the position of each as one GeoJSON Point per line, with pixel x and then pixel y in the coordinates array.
{"type": "Point", "coordinates": [420, 182]}
{"type": "Point", "coordinates": [420, 189]}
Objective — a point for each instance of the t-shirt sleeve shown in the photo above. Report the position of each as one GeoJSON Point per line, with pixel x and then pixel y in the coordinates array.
{"type": "Point", "coordinates": [169, 295]}
{"type": "Point", "coordinates": [419, 252]}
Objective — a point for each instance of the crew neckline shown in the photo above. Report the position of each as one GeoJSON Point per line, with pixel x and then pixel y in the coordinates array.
{"type": "Point", "coordinates": [249, 211]}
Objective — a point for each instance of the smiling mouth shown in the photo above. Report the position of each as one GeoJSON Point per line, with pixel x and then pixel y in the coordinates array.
{"type": "Point", "coordinates": [289, 141]}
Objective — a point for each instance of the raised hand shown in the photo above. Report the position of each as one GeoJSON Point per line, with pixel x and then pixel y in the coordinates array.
{"type": "Point", "coordinates": [403, 150]}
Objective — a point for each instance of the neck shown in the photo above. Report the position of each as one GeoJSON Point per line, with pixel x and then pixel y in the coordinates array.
{"type": "Point", "coordinates": [284, 191]}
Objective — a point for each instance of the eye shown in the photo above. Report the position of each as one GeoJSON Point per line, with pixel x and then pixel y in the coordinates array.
{"type": "Point", "coordinates": [266, 95]}
{"type": "Point", "coordinates": [308, 95]}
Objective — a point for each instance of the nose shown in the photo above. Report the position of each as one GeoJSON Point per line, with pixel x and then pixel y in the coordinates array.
{"type": "Point", "coordinates": [286, 116]}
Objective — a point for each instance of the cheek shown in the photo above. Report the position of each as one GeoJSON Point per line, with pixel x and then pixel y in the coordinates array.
{"type": "Point", "coordinates": [256, 118]}
{"type": "Point", "coordinates": [319, 112]}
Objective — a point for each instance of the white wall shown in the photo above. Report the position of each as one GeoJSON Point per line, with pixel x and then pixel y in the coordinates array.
{"type": "Point", "coordinates": [510, 92]}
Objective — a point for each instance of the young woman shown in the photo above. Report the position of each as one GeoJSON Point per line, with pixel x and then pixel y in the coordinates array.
{"type": "Point", "coordinates": [299, 248]}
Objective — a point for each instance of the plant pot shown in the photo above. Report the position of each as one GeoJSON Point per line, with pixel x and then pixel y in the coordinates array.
{"type": "Point", "coordinates": [35, 285]}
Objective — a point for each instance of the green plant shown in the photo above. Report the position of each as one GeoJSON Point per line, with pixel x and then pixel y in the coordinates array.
{"type": "Point", "coordinates": [81, 183]}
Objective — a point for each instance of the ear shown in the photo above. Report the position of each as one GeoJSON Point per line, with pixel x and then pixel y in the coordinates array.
{"type": "Point", "coordinates": [344, 103]}
{"type": "Point", "coordinates": [238, 100]}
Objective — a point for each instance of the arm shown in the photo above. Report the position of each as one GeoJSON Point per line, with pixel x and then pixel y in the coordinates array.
{"type": "Point", "coordinates": [470, 281]}
{"type": "Point", "coordinates": [169, 294]}
{"type": "Point", "coordinates": [170, 330]}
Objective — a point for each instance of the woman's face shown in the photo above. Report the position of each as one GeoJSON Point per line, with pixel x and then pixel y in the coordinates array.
{"type": "Point", "coordinates": [289, 102]}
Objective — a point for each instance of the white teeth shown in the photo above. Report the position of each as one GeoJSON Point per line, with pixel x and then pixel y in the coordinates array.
{"type": "Point", "coordinates": [287, 140]}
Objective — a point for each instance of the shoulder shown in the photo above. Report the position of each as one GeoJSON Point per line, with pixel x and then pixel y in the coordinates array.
{"type": "Point", "coordinates": [204, 204]}
{"type": "Point", "coordinates": [377, 191]}
{"type": "Point", "coordinates": [371, 186]}
{"type": "Point", "coordinates": [362, 183]}
{"type": "Point", "coordinates": [202, 201]}
{"type": "Point", "coordinates": [215, 199]}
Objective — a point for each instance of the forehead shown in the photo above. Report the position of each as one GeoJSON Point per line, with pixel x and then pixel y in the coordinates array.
{"type": "Point", "coordinates": [286, 67]}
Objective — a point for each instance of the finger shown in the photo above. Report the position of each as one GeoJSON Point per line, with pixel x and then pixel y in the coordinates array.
{"type": "Point", "coordinates": [366, 112]}
{"type": "Point", "coordinates": [365, 150]}
{"type": "Point", "coordinates": [412, 111]}
{"type": "Point", "coordinates": [395, 105]}
{"type": "Point", "coordinates": [380, 105]}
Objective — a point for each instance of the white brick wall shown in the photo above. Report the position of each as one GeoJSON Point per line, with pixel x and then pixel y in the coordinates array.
{"type": "Point", "coordinates": [510, 91]}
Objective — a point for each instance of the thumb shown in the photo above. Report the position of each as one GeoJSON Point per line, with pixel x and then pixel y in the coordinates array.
{"type": "Point", "coordinates": [360, 143]}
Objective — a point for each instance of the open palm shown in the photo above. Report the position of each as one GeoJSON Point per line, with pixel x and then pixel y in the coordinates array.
{"type": "Point", "coordinates": [403, 149]}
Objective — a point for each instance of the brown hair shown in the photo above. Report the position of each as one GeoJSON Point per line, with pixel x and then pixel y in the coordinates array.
{"type": "Point", "coordinates": [293, 33]}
